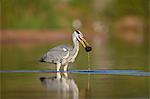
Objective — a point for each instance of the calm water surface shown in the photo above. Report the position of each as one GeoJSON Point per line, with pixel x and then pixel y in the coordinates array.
{"type": "Point", "coordinates": [72, 86]}
{"type": "Point", "coordinates": [108, 83]}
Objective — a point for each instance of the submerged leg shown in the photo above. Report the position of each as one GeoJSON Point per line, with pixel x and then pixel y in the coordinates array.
{"type": "Point", "coordinates": [65, 74]}
{"type": "Point", "coordinates": [58, 75]}
{"type": "Point", "coordinates": [58, 66]}
{"type": "Point", "coordinates": [65, 67]}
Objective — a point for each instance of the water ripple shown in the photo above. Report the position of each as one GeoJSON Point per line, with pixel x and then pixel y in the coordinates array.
{"type": "Point", "coordinates": [104, 72]}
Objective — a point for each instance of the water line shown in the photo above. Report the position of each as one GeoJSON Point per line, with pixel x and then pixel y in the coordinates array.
{"type": "Point", "coordinates": [89, 68]}
{"type": "Point", "coordinates": [89, 64]}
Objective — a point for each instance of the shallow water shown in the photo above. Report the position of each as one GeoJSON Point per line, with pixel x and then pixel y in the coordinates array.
{"type": "Point", "coordinates": [76, 84]}
{"type": "Point", "coordinates": [107, 73]}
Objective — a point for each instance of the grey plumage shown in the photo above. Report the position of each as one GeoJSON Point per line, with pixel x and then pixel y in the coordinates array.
{"type": "Point", "coordinates": [56, 54]}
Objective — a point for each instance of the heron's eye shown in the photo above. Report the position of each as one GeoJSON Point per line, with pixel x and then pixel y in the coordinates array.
{"type": "Point", "coordinates": [81, 35]}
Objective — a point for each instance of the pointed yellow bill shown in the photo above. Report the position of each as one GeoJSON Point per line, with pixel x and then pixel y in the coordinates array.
{"type": "Point", "coordinates": [83, 42]}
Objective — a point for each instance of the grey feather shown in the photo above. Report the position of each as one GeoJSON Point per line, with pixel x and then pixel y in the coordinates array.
{"type": "Point", "coordinates": [56, 54]}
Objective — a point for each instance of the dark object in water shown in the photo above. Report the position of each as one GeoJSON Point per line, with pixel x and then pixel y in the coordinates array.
{"type": "Point", "coordinates": [42, 78]}
{"type": "Point", "coordinates": [88, 48]}
{"type": "Point", "coordinates": [42, 60]}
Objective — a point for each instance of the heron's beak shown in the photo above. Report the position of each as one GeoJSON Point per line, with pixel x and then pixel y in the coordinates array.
{"type": "Point", "coordinates": [85, 44]}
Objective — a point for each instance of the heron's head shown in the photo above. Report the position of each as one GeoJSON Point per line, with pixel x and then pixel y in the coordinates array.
{"type": "Point", "coordinates": [79, 36]}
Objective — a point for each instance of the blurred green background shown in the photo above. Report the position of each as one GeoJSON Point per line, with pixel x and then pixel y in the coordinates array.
{"type": "Point", "coordinates": [117, 30]}
{"type": "Point", "coordinates": [28, 14]}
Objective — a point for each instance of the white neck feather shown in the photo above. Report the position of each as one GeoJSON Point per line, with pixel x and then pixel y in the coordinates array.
{"type": "Point", "coordinates": [75, 48]}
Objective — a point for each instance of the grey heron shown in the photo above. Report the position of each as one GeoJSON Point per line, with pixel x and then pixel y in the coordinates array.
{"type": "Point", "coordinates": [64, 54]}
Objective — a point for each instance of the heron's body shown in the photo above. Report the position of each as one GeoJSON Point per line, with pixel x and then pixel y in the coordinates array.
{"type": "Point", "coordinates": [63, 54]}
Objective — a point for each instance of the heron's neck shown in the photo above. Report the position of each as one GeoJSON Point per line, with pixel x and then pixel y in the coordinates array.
{"type": "Point", "coordinates": [76, 47]}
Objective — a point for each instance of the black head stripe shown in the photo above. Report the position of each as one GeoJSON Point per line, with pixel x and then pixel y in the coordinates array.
{"type": "Point", "coordinates": [77, 31]}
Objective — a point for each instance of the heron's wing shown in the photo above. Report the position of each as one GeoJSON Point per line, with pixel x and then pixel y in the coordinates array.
{"type": "Point", "coordinates": [61, 48]}
{"type": "Point", "coordinates": [56, 54]}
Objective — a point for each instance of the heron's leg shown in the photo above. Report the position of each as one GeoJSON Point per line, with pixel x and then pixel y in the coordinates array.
{"type": "Point", "coordinates": [65, 74]}
{"type": "Point", "coordinates": [58, 75]}
{"type": "Point", "coordinates": [58, 66]}
{"type": "Point", "coordinates": [65, 67]}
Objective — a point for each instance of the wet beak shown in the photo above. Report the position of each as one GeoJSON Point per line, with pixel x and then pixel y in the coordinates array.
{"type": "Point", "coordinates": [85, 44]}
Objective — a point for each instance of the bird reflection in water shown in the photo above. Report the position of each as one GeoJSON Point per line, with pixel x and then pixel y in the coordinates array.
{"type": "Point", "coordinates": [64, 86]}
